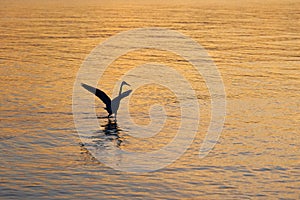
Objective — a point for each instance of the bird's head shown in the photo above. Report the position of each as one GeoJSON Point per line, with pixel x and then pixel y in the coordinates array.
{"type": "Point", "coordinates": [125, 83]}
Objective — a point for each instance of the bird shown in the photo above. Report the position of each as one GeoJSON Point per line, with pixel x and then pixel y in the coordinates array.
{"type": "Point", "coordinates": [112, 106]}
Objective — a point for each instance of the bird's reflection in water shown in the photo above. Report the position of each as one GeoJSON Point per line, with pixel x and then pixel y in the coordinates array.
{"type": "Point", "coordinates": [112, 131]}
{"type": "Point", "coordinates": [107, 139]}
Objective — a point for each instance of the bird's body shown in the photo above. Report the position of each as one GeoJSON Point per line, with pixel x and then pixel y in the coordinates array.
{"type": "Point", "coordinates": [112, 106]}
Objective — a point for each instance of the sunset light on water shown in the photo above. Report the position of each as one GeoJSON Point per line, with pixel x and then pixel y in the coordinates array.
{"type": "Point", "coordinates": [252, 56]}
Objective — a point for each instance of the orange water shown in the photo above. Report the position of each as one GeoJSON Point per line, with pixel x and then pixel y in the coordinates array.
{"type": "Point", "coordinates": [256, 48]}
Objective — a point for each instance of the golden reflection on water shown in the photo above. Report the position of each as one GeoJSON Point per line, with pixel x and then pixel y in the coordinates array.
{"type": "Point", "coordinates": [254, 45]}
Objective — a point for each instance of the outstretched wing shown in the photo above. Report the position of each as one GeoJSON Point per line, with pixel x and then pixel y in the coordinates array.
{"type": "Point", "coordinates": [101, 95]}
{"type": "Point", "coordinates": [125, 94]}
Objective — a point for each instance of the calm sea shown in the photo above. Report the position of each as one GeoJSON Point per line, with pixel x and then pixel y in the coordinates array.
{"type": "Point", "coordinates": [256, 47]}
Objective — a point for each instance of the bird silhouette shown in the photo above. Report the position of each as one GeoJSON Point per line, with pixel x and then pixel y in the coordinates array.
{"type": "Point", "coordinates": [112, 106]}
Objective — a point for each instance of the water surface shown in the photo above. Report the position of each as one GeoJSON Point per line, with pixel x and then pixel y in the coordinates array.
{"type": "Point", "coordinates": [256, 48]}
